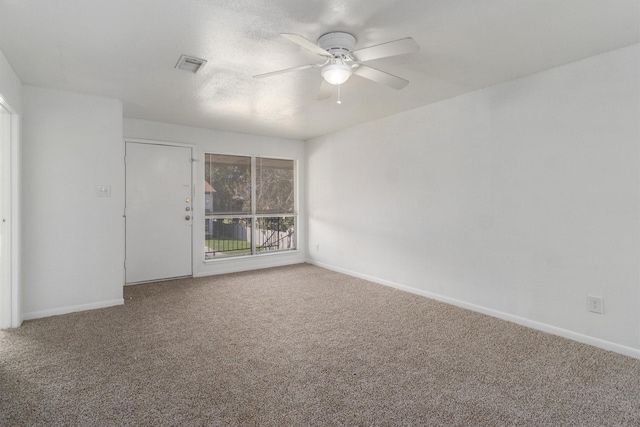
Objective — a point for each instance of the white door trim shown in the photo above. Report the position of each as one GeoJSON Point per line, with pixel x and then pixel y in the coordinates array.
{"type": "Point", "coordinates": [10, 185]}
{"type": "Point", "coordinates": [159, 142]}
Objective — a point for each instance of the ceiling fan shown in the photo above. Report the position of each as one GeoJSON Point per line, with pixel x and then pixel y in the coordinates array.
{"type": "Point", "coordinates": [341, 60]}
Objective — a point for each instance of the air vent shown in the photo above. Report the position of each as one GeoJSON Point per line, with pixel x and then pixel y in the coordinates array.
{"type": "Point", "coordinates": [190, 64]}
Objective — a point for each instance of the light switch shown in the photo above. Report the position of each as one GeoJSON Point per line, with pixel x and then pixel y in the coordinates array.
{"type": "Point", "coordinates": [103, 190]}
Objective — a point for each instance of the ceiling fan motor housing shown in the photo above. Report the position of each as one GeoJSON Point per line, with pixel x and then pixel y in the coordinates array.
{"type": "Point", "coordinates": [338, 43]}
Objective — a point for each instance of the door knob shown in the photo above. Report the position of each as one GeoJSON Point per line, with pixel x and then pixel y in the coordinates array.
{"type": "Point", "coordinates": [187, 217]}
{"type": "Point", "coordinates": [187, 209]}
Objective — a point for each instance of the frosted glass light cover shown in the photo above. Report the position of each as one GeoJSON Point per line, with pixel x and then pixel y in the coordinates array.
{"type": "Point", "coordinates": [336, 73]}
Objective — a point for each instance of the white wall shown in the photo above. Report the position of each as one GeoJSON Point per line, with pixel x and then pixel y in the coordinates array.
{"type": "Point", "coordinates": [73, 241]}
{"type": "Point", "coordinates": [204, 141]}
{"type": "Point", "coordinates": [518, 200]}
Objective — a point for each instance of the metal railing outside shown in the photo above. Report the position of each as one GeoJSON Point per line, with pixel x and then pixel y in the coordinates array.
{"type": "Point", "coordinates": [226, 237]}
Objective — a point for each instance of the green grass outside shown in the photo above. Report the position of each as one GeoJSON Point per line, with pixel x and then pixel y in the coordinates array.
{"type": "Point", "coordinates": [228, 246]}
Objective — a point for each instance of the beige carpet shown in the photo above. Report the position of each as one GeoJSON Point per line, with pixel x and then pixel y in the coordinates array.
{"type": "Point", "coordinates": [301, 345]}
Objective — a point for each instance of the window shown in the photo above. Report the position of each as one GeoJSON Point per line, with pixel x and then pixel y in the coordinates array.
{"type": "Point", "coordinates": [249, 205]}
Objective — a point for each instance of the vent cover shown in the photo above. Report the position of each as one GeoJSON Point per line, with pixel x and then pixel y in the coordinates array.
{"type": "Point", "coordinates": [190, 63]}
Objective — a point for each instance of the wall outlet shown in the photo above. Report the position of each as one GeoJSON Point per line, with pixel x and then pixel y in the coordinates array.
{"type": "Point", "coordinates": [595, 304]}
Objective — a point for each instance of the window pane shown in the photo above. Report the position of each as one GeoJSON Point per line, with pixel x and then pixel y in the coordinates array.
{"type": "Point", "coordinates": [274, 186]}
{"type": "Point", "coordinates": [227, 184]}
{"type": "Point", "coordinates": [275, 234]}
{"type": "Point", "coordinates": [227, 237]}
{"type": "Point", "coordinates": [236, 224]}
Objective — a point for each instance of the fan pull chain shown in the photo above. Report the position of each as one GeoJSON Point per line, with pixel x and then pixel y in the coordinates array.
{"type": "Point", "coordinates": [339, 101]}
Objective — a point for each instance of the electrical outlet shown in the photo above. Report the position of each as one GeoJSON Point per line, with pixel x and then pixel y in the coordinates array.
{"type": "Point", "coordinates": [595, 304]}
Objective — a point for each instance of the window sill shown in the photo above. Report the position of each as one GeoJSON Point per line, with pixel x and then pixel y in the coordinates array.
{"type": "Point", "coordinates": [249, 257]}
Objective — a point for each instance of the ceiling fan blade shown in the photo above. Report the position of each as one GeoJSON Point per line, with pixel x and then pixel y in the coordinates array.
{"type": "Point", "coordinates": [397, 47]}
{"type": "Point", "coordinates": [286, 70]}
{"type": "Point", "coordinates": [307, 44]}
{"type": "Point", "coordinates": [381, 77]}
{"type": "Point", "coordinates": [326, 90]}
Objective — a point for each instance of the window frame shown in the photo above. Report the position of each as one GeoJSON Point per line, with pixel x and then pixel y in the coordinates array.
{"type": "Point", "coordinates": [254, 216]}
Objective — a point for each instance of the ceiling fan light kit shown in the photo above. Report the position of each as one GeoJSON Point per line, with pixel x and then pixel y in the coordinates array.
{"type": "Point", "coordinates": [341, 60]}
{"type": "Point", "coordinates": [337, 72]}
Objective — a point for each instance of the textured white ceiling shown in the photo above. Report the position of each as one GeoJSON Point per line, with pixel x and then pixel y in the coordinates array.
{"type": "Point", "coordinates": [127, 49]}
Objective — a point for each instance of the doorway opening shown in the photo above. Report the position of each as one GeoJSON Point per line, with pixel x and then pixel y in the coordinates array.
{"type": "Point", "coordinates": [9, 316]}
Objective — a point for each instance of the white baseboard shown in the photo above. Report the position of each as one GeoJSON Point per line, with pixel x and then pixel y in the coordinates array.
{"type": "Point", "coordinates": [565, 333]}
{"type": "Point", "coordinates": [72, 309]}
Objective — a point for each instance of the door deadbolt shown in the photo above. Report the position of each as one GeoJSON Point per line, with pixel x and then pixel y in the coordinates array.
{"type": "Point", "coordinates": [187, 209]}
{"type": "Point", "coordinates": [187, 217]}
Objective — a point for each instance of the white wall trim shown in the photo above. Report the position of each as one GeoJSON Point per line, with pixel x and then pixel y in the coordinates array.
{"type": "Point", "coordinates": [159, 142]}
{"type": "Point", "coordinates": [16, 291]}
{"type": "Point", "coordinates": [239, 264]}
{"type": "Point", "coordinates": [72, 309]}
{"type": "Point", "coordinates": [12, 217]}
{"type": "Point", "coordinates": [564, 333]}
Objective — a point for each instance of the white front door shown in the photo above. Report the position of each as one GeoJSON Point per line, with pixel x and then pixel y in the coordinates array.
{"type": "Point", "coordinates": [158, 212]}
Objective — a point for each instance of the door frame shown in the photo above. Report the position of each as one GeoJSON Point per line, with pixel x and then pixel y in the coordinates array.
{"type": "Point", "coordinates": [10, 280]}
{"type": "Point", "coordinates": [194, 206]}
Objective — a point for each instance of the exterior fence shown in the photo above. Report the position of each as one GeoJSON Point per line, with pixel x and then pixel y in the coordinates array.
{"type": "Point", "coordinates": [232, 236]}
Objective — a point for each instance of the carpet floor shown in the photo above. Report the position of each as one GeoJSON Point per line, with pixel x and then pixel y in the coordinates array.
{"type": "Point", "coordinates": [302, 346]}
